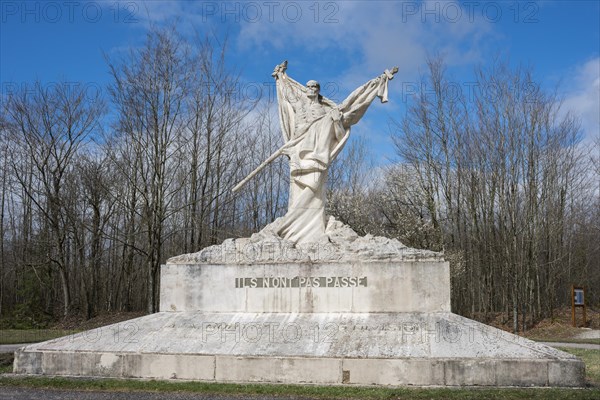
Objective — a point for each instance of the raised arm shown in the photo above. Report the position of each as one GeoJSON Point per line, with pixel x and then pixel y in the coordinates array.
{"type": "Point", "coordinates": [288, 90]}
{"type": "Point", "coordinates": [289, 94]}
{"type": "Point", "coordinates": [356, 104]}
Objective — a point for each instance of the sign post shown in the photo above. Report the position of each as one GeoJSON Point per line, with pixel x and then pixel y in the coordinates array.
{"type": "Point", "coordinates": [578, 300]}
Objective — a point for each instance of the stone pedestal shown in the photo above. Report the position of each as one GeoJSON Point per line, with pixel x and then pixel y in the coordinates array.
{"type": "Point", "coordinates": [324, 287]}
{"type": "Point", "coordinates": [362, 322]}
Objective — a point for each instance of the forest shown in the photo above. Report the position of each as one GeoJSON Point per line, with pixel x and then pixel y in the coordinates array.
{"type": "Point", "coordinates": [99, 188]}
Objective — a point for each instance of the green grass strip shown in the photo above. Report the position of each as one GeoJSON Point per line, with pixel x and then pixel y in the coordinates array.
{"type": "Point", "coordinates": [17, 336]}
{"type": "Point", "coordinates": [591, 358]}
{"type": "Point", "coordinates": [316, 392]}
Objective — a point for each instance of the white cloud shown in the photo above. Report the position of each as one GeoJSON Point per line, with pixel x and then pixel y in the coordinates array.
{"type": "Point", "coordinates": [375, 34]}
{"type": "Point", "coordinates": [583, 99]}
{"type": "Point", "coordinates": [358, 38]}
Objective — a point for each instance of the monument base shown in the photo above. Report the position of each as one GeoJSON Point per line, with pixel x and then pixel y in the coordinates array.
{"type": "Point", "coordinates": [424, 349]}
{"type": "Point", "coordinates": [378, 322]}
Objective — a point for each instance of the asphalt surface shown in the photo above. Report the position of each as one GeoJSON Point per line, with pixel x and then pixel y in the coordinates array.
{"type": "Point", "coordinates": [588, 346]}
{"type": "Point", "coordinates": [589, 334]}
{"type": "Point", "coordinates": [9, 348]}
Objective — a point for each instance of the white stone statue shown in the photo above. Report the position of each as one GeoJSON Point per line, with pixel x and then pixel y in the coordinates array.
{"type": "Point", "coordinates": [315, 130]}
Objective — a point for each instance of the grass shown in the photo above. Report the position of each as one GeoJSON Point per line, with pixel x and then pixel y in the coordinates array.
{"type": "Point", "coordinates": [591, 358]}
{"type": "Point", "coordinates": [315, 392]}
{"type": "Point", "coordinates": [17, 336]}
{"type": "Point", "coordinates": [6, 362]}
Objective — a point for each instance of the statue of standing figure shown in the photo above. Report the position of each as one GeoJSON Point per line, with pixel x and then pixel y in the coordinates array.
{"type": "Point", "coordinates": [315, 130]}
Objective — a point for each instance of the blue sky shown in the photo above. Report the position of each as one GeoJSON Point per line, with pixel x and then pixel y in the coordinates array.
{"type": "Point", "coordinates": [343, 43]}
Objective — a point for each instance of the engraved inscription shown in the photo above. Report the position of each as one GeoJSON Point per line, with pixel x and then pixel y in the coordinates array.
{"type": "Point", "coordinates": [301, 282]}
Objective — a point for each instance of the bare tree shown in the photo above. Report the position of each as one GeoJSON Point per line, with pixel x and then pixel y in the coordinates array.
{"type": "Point", "coordinates": [48, 125]}
{"type": "Point", "coordinates": [149, 92]}
{"type": "Point", "coordinates": [495, 175]}
{"type": "Point", "coordinates": [350, 180]}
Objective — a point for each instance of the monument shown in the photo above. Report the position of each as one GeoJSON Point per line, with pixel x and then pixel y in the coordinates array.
{"type": "Point", "coordinates": [315, 130]}
{"type": "Point", "coordinates": [306, 299]}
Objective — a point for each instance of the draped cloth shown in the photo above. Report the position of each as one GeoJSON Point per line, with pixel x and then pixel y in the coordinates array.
{"type": "Point", "coordinates": [316, 132]}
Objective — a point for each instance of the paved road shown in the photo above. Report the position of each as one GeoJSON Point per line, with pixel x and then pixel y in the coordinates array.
{"type": "Point", "coordinates": [588, 346]}
{"type": "Point", "coordinates": [589, 334]}
{"type": "Point", "coordinates": [9, 348]}
{"type": "Point", "coordinates": [9, 393]}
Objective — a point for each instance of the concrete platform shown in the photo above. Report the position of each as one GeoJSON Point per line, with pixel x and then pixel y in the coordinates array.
{"type": "Point", "coordinates": [439, 349]}
{"type": "Point", "coordinates": [348, 323]}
